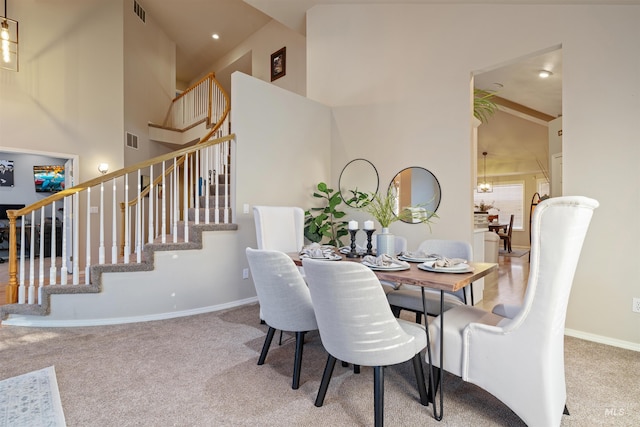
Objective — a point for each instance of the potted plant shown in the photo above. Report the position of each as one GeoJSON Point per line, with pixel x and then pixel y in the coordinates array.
{"type": "Point", "coordinates": [382, 208]}
{"type": "Point", "coordinates": [325, 223]}
{"type": "Point", "coordinates": [483, 104]}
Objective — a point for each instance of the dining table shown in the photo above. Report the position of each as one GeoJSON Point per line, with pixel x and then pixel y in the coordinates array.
{"type": "Point", "coordinates": [494, 226]}
{"type": "Point", "coordinates": [442, 281]}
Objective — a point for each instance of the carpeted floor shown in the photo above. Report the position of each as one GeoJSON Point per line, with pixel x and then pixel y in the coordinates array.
{"type": "Point", "coordinates": [201, 371]}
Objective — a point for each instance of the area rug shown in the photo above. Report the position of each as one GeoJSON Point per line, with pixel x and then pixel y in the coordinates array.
{"type": "Point", "coordinates": [31, 400]}
{"type": "Point", "coordinates": [517, 253]}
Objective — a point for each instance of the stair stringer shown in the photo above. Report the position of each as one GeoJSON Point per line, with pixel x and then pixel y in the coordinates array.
{"type": "Point", "coordinates": [174, 280]}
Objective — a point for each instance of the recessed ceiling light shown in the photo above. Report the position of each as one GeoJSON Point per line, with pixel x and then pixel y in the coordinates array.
{"type": "Point", "coordinates": [543, 74]}
{"type": "Point", "coordinates": [215, 36]}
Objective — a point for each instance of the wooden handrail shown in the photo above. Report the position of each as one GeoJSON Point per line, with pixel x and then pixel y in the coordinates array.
{"type": "Point", "coordinates": [12, 289]}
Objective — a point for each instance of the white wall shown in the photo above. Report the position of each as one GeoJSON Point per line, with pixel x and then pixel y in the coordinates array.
{"type": "Point", "coordinates": [149, 84]}
{"type": "Point", "coordinates": [400, 94]}
{"type": "Point", "coordinates": [67, 96]}
{"type": "Point", "coordinates": [261, 44]}
{"type": "Point", "coordinates": [282, 150]}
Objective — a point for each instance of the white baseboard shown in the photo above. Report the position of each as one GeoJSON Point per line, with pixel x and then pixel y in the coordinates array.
{"type": "Point", "coordinates": [602, 340]}
{"type": "Point", "coordinates": [43, 322]}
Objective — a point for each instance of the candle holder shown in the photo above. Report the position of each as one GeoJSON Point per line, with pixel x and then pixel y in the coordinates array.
{"type": "Point", "coordinates": [369, 245]}
{"type": "Point", "coordinates": [353, 253]}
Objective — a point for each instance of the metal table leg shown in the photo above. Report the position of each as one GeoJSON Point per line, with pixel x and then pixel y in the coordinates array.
{"type": "Point", "coordinates": [435, 384]}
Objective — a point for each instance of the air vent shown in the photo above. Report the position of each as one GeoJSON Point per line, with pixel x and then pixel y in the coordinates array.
{"type": "Point", "coordinates": [132, 140]}
{"type": "Point", "coordinates": [138, 10]}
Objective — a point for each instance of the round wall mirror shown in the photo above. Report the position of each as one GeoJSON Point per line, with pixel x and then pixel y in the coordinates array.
{"type": "Point", "coordinates": [417, 188]}
{"type": "Point", "coordinates": [358, 182]}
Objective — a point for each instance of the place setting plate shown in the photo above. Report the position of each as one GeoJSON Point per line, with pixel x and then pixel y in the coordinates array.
{"type": "Point", "coordinates": [409, 258]}
{"type": "Point", "coordinates": [458, 268]}
{"type": "Point", "coordinates": [393, 267]}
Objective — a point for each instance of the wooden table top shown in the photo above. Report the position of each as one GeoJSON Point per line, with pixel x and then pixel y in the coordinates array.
{"type": "Point", "coordinates": [415, 276]}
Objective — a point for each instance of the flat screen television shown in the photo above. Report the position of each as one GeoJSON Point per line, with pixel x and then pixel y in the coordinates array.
{"type": "Point", "coordinates": [48, 178]}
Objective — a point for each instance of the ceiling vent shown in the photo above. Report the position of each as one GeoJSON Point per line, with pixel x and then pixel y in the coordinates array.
{"type": "Point", "coordinates": [132, 140]}
{"type": "Point", "coordinates": [138, 10]}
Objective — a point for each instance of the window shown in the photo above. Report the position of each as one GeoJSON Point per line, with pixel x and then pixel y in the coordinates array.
{"type": "Point", "coordinates": [508, 198]}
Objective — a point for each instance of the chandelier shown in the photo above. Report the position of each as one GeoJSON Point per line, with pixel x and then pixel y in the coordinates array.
{"type": "Point", "coordinates": [8, 42]}
{"type": "Point", "coordinates": [485, 186]}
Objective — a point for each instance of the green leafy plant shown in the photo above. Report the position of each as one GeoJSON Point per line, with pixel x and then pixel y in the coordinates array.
{"type": "Point", "coordinates": [382, 208]}
{"type": "Point", "coordinates": [358, 199]}
{"type": "Point", "coordinates": [483, 104]}
{"type": "Point", "coordinates": [324, 223]}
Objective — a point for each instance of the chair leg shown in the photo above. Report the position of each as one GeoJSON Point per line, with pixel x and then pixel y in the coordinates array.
{"type": "Point", "coordinates": [297, 364]}
{"type": "Point", "coordinates": [418, 317]}
{"type": "Point", "coordinates": [378, 395]}
{"type": "Point", "coordinates": [266, 345]}
{"type": "Point", "coordinates": [417, 367]}
{"type": "Point", "coordinates": [326, 377]}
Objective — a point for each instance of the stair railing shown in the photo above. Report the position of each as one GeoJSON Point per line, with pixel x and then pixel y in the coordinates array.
{"type": "Point", "coordinates": [161, 208]}
{"type": "Point", "coordinates": [204, 100]}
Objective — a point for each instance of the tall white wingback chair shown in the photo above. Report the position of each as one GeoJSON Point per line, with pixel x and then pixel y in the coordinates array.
{"type": "Point", "coordinates": [279, 228]}
{"type": "Point", "coordinates": [517, 353]}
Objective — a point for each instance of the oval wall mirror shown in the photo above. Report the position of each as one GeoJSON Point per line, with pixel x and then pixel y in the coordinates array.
{"type": "Point", "coordinates": [358, 182]}
{"type": "Point", "coordinates": [416, 187]}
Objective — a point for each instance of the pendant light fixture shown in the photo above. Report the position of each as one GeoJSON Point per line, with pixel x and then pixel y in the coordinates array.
{"type": "Point", "coordinates": [8, 42]}
{"type": "Point", "coordinates": [485, 186]}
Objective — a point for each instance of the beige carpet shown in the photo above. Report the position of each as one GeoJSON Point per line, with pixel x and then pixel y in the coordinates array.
{"type": "Point", "coordinates": [201, 371]}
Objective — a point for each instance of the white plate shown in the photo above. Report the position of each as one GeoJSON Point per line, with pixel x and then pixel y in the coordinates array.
{"type": "Point", "coordinates": [389, 268]}
{"type": "Point", "coordinates": [334, 257]}
{"type": "Point", "coordinates": [458, 268]}
{"type": "Point", "coordinates": [412, 259]}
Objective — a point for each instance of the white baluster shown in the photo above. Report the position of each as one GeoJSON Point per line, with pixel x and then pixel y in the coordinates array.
{"type": "Point", "coordinates": [63, 265]}
{"type": "Point", "coordinates": [53, 270]}
{"type": "Point", "coordinates": [127, 248]}
{"type": "Point", "coordinates": [87, 268]}
{"type": "Point", "coordinates": [174, 200]}
{"type": "Point", "coordinates": [32, 261]}
{"type": "Point", "coordinates": [164, 204]}
{"type": "Point", "coordinates": [185, 197]}
{"type": "Point", "coordinates": [101, 255]}
{"type": "Point", "coordinates": [42, 232]}
{"type": "Point", "coordinates": [138, 230]}
{"type": "Point", "coordinates": [151, 233]}
{"type": "Point", "coordinates": [21, 286]}
{"type": "Point", "coordinates": [114, 225]}
{"type": "Point", "coordinates": [76, 238]}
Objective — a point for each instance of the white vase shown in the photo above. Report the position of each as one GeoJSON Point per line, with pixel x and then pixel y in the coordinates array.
{"type": "Point", "coordinates": [385, 243]}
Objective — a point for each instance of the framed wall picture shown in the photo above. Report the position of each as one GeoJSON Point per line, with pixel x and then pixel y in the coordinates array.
{"type": "Point", "coordinates": [6, 173]}
{"type": "Point", "coordinates": [278, 63]}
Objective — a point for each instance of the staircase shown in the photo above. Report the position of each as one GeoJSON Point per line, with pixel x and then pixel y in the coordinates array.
{"type": "Point", "coordinates": [146, 240]}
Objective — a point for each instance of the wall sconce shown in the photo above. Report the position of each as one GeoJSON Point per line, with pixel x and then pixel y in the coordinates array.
{"type": "Point", "coordinates": [103, 168]}
{"type": "Point", "coordinates": [8, 42]}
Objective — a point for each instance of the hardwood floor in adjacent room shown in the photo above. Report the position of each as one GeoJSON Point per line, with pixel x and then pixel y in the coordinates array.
{"type": "Point", "coordinates": [507, 285]}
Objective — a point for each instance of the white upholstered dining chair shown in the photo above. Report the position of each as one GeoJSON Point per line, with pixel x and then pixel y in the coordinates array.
{"type": "Point", "coordinates": [517, 353]}
{"type": "Point", "coordinates": [279, 228]}
{"type": "Point", "coordinates": [356, 326]}
{"type": "Point", "coordinates": [285, 303]}
{"type": "Point", "coordinates": [408, 297]}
